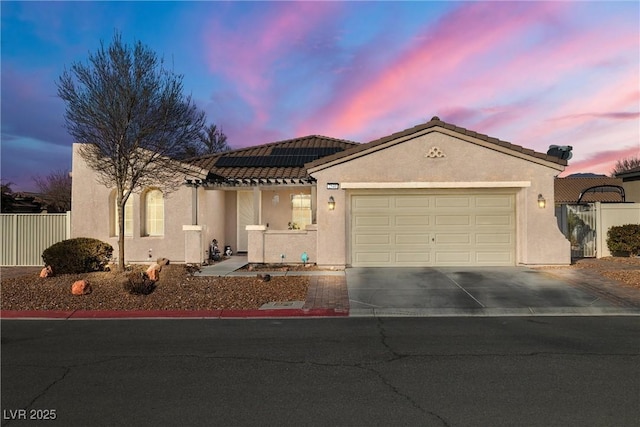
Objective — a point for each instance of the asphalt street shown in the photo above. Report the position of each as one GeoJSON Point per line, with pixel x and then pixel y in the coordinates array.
{"type": "Point", "coordinates": [481, 371]}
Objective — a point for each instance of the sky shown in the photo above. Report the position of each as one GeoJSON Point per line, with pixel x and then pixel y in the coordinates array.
{"type": "Point", "coordinates": [531, 73]}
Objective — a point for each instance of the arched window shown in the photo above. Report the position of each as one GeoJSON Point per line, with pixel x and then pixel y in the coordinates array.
{"type": "Point", "coordinates": [128, 217]}
{"type": "Point", "coordinates": [154, 213]}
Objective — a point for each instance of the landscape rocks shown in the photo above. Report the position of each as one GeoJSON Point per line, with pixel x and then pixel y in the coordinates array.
{"type": "Point", "coordinates": [46, 272]}
{"type": "Point", "coordinates": [80, 287]}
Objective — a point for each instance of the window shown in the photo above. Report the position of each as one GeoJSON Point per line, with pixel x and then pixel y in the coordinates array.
{"type": "Point", "coordinates": [128, 218]}
{"type": "Point", "coordinates": [301, 210]}
{"type": "Point", "coordinates": [154, 213]}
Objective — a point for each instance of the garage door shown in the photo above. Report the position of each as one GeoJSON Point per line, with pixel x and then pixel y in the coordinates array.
{"type": "Point", "coordinates": [432, 229]}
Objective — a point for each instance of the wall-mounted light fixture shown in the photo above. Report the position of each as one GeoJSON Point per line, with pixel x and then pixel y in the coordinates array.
{"type": "Point", "coordinates": [542, 203]}
{"type": "Point", "coordinates": [332, 203]}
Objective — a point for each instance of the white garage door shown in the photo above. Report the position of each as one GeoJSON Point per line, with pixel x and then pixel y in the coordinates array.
{"type": "Point", "coordinates": [432, 229]}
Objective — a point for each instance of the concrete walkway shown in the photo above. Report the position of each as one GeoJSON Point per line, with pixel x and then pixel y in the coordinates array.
{"type": "Point", "coordinates": [223, 268]}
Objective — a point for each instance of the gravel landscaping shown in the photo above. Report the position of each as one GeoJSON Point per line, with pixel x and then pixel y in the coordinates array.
{"type": "Point", "coordinates": [176, 290]}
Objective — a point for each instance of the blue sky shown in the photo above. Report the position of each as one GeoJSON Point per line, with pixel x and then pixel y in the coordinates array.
{"type": "Point", "coordinates": [531, 73]}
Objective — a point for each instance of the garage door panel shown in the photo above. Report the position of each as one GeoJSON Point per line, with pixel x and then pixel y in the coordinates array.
{"type": "Point", "coordinates": [452, 202]}
{"type": "Point", "coordinates": [411, 220]}
{"type": "Point", "coordinates": [458, 257]}
{"type": "Point", "coordinates": [452, 239]}
{"type": "Point", "coordinates": [494, 258]}
{"type": "Point", "coordinates": [372, 202]}
{"type": "Point", "coordinates": [493, 220]}
{"type": "Point", "coordinates": [411, 239]}
{"type": "Point", "coordinates": [412, 258]}
{"type": "Point", "coordinates": [414, 229]}
{"type": "Point", "coordinates": [494, 238]}
{"type": "Point", "coordinates": [494, 202]}
{"type": "Point", "coordinates": [373, 239]}
{"type": "Point", "coordinates": [457, 220]}
{"type": "Point", "coordinates": [372, 221]}
{"type": "Point", "coordinates": [373, 258]}
{"type": "Point", "coordinates": [412, 202]}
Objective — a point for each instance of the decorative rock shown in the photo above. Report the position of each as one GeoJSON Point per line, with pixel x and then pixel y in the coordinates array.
{"type": "Point", "coordinates": [162, 261]}
{"type": "Point", "coordinates": [153, 272]}
{"type": "Point", "coordinates": [81, 287]}
{"type": "Point", "coordinates": [264, 277]}
{"type": "Point", "coordinates": [46, 272]}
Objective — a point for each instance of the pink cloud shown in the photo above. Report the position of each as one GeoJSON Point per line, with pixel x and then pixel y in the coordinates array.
{"type": "Point", "coordinates": [601, 162]}
{"type": "Point", "coordinates": [251, 58]}
{"type": "Point", "coordinates": [435, 57]}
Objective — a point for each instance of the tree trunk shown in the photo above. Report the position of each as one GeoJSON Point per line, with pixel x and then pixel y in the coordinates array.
{"type": "Point", "coordinates": [120, 201]}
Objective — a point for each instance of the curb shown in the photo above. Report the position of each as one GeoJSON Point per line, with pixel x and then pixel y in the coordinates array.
{"type": "Point", "coordinates": [168, 314]}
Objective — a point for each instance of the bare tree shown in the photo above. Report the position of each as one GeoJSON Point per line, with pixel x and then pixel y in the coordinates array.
{"type": "Point", "coordinates": [213, 140]}
{"type": "Point", "coordinates": [7, 196]}
{"type": "Point", "coordinates": [625, 165]}
{"type": "Point", "coordinates": [132, 118]}
{"type": "Point", "coordinates": [55, 190]}
{"type": "Point", "coordinates": [210, 141]}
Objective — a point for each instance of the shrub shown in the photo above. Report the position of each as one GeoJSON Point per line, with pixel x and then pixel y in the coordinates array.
{"type": "Point", "coordinates": [79, 255]}
{"type": "Point", "coordinates": [624, 239]}
{"type": "Point", "coordinates": [138, 283]}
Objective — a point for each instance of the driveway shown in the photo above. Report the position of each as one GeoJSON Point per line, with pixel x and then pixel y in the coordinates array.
{"type": "Point", "coordinates": [456, 291]}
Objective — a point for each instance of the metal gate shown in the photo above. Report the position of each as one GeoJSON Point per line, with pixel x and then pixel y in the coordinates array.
{"type": "Point", "coordinates": [581, 230]}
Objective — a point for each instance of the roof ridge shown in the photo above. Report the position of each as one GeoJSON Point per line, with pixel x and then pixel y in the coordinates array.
{"type": "Point", "coordinates": [436, 122]}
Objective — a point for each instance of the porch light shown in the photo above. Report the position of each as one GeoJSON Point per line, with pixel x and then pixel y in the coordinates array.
{"type": "Point", "coordinates": [542, 203]}
{"type": "Point", "coordinates": [332, 203]}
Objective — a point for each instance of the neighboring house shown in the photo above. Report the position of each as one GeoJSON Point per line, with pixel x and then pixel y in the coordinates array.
{"type": "Point", "coordinates": [631, 184]}
{"type": "Point", "coordinates": [431, 195]}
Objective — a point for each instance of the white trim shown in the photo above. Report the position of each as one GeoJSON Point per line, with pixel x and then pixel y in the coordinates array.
{"type": "Point", "coordinates": [255, 227]}
{"type": "Point", "coordinates": [192, 228]}
{"type": "Point", "coordinates": [472, 184]}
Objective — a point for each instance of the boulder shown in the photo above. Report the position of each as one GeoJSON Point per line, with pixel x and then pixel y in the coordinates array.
{"type": "Point", "coordinates": [46, 272]}
{"type": "Point", "coordinates": [264, 277]}
{"type": "Point", "coordinates": [80, 287]}
{"type": "Point", "coordinates": [153, 272]}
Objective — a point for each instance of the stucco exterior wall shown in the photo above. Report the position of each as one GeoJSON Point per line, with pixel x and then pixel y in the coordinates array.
{"type": "Point", "coordinates": [455, 162]}
{"type": "Point", "coordinates": [92, 217]}
{"type": "Point", "coordinates": [269, 246]}
{"type": "Point", "coordinates": [632, 191]}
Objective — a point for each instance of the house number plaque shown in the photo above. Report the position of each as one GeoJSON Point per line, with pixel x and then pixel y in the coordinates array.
{"type": "Point", "coordinates": [333, 186]}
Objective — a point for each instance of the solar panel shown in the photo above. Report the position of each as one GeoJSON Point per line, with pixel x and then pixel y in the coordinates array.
{"type": "Point", "coordinates": [279, 157]}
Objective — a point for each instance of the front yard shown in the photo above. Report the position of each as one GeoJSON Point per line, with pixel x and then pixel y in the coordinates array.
{"type": "Point", "coordinates": [176, 290]}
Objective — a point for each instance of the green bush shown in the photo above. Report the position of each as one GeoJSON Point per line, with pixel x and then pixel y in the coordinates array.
{"type": "Point", "coordinates": [624, 239]}
{"type": "Point", "coordinates": [139, 284]}
{"type": "Point", "coordinates": [80, 255]}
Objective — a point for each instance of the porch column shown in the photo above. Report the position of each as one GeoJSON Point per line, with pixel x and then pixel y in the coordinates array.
{"type": "Point", "coordinates": [314, 203]}
{"type": "Point", "coordinates": [257, 206]}
{"type": "Point", "coordinates": [193, 244]}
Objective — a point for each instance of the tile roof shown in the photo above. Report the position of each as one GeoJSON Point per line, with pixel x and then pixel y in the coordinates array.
{"type": "Point", "coordinates": [436, 122]}
{"type": "Point", "coordinates": [631, 173]}
{"type": "Point", "coordinates": [567, 190]}
{"type": "Point", "coordinates": [277, 160]}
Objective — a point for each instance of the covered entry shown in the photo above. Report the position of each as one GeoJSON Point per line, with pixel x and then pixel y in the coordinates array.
{"type": "Point", "coordinates": [432, 228]}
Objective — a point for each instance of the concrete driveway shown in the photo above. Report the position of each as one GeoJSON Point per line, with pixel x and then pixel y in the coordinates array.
{"type": "Point", "coordinates": [455, 291]}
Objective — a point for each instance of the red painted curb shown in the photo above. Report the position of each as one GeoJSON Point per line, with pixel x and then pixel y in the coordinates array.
{"type": "Point", "coordinates": [169, 314]}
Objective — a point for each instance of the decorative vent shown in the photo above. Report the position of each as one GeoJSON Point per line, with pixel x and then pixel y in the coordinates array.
{"type": "Point", "coordinates": [435, 153]}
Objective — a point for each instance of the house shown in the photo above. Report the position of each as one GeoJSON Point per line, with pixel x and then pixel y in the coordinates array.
{"type": "Point", "coordinates": [631, 183]}
{"type": "Point", "coordinates": [432, 195]}
{"type": "Point", "coordinates": [573, 190]}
